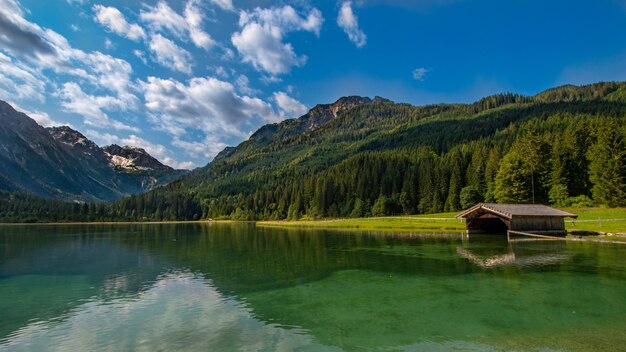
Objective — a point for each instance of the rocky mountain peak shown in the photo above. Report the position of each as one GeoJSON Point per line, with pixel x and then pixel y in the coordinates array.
{"type": "Point", "coordinates": [347, 103]}
{"type": "Point", "coordinates": [67, 135]}
{"type": "Point", "coordinates": [128, 157]}
{"type": "Point", "coordinates": [75, 140]}
{"type": "Point", "coordinates": [224, 153]}
{"type": "Point", "coordinates": [322, 113]}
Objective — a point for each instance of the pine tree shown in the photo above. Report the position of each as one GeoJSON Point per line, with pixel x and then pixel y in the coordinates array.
{"type": "Point", "coordinates": [607, 168]}
{"type": "Point", "coordinates": [381, 207]}
{"type": "Point", "coordinates": [558, 185]}
{"type": "Point", "coordinates": [512, 183]}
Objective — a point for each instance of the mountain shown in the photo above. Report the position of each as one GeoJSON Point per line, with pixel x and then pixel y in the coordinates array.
{"type": "Point", "coordinates": [363, 157]}
{"type": "Point", "coordinates": [62, 163]}
{"type": "Point", "coordinates": [132, 158]}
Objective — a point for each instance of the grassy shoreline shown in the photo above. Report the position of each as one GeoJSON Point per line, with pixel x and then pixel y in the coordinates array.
{"type": "Point", "coordinates": [123, 222]}
{"type": "Point", "coordinates": [602, 220]}
{"type": "Point", "coordinates": [378, 223]}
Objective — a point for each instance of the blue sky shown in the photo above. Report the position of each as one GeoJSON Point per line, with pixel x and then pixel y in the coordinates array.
{"type": "Point", "coordinates": [185, 78]}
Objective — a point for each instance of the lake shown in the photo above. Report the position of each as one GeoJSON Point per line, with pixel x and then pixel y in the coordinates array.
{"type": "Point", "coordinates": [239, 287]}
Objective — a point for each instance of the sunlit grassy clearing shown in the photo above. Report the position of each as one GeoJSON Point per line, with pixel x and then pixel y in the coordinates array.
{"type": "Point", "coordinates": [592, 219]}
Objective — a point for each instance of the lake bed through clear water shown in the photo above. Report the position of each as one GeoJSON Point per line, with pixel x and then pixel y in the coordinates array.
{"type": "Point", "coordinates": [239, 287]}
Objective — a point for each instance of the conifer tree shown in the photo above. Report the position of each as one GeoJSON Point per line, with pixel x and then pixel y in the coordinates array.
{"type": "Point", "coordinates": [607, 167]}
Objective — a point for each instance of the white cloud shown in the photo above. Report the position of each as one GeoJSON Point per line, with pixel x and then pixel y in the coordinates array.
{"type": "Point", "coordinates": [141, 55]}
{"type": "Point", "coordinates": [221, 71]}
{"type": "Point", "coordinates": [348, 21]}
{"type": "Point", "coordinates": [420, 73]}
{"type": "Point", "coordinates": [19, 81]}
{"type": "Point", "coordinates": [194, 16]}
{"type": "Point", "coordinates": [226, 5]}
{"type": "Point", "coordinates": [170, 55]}
{"type": "Point", "coordinates": [92, 107]}
{"type": "Point", "coordinates": [289, 107]}
{"type": "Point", "coordinates": [109, 44]}
{"type": "Point", "coordinates": [74, 28]}
{"type": "Point", "coordinates": [115, 75]}
{"type": "Point", "coordinates": [113, 20]}
{"type": "Point", "coordinates": [45, 49]}
{"type": "Point", "coordinates": [162, 17]}
{"type": "Point", "coordinates": [269, 79]}
{"type": "Point", "coordinates": [207, 148]}
{"type": "Point", "coordinates": [243, 85]}
{"type": "Point", "coordinates": [185, 165]}
{"type": "Point", "coordinates": [228, 55]}
{"type": "Point", "coordinates": [102, 138]}
{"type": "Point", "coordinates": [41, 118]}
{"type": "Point", "coordinates": [260, 41]}
{"type": "Point", "coordinates": [208, 105]}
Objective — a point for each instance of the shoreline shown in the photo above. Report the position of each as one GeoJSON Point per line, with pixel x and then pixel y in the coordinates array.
{"type": "Point", "coordinates": [593, 223]}
{"type": "Point", "coordinates": [169, 222]}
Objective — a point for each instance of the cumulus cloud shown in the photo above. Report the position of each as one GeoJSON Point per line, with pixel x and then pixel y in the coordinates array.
{"type": "Point", "coordinates": [205, 103]}
{"type": "Point", "coordinates": [208, 105]}
{"type": "Point", "coordinates": [261, 39]}
{"type": "Point", "coordinates": [162, 18]}
{"type": "Point", "coordinates": [170, 55]}
{"type": "Point", "coordinates": [348, 21]}
{"type": "Point", "coordinates": [91, 108]}
{"type": "Point", "coordinates": [19, 81]}
{"type": "Point", "coordinates": [420, 73]}
{"type": "Point", "coordinates": [113, 20]}
{"type": "Point", "coordinates": [113, 74]}
{"type": "Point", "coordinates": [194, 16]}
{"type": "Point", "coordinates": [289, 107]}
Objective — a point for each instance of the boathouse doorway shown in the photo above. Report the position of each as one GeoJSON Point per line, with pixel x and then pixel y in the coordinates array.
{"type": "Point", "coordinates": [487, 224]}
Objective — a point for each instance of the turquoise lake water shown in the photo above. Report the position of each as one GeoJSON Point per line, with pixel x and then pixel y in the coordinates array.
{"type": "Point", "coordinates": [238, 287]}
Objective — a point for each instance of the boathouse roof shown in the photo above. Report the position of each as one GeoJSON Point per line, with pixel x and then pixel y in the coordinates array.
{"type": "Point", "coordinates": [514, 210]}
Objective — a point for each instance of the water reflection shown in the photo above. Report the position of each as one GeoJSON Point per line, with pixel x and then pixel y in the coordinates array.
{"type": "Point", "coordinates": [532, 252]}
{"type": "Point", "coordinates": [179, 311]}
{"type": "Point", "coordinates": [230, 287]}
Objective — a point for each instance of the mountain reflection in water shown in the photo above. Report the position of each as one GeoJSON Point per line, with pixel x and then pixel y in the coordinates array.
{"type": "Point", "coordinates": [241, 287]}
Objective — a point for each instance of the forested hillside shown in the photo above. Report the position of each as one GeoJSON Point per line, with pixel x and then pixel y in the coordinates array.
{"type": "Point", "coordinates": [361, 157]}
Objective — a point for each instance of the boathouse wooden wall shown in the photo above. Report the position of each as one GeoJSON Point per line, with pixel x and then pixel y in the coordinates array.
{"type": "Point", "coordinates": [537, 223]}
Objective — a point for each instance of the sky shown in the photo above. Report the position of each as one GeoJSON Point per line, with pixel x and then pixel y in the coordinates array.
{"type": "Point", "coordinates": [185, 78]}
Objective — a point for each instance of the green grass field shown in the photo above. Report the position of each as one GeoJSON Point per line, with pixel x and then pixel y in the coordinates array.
{"type": "Point", "coordinates": [591, 219]}
{"type": "Point", "coordinates": [433, 222]}
{"type": "Point", "coordinates": [598, 219]}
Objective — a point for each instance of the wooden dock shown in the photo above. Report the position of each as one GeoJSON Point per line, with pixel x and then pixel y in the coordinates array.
{"type": "Point", "coordinates": [545, 237]}
{"type": "Point", "coordinates": [558, 238]}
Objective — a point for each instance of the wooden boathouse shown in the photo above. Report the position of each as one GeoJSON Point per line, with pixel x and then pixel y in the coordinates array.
{"type": "Point", "coordinates": [502, 218]}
